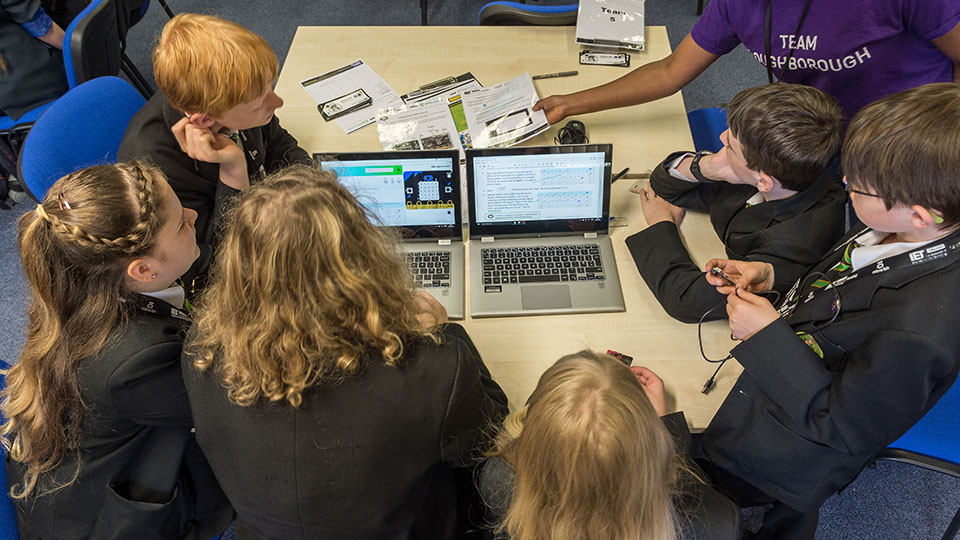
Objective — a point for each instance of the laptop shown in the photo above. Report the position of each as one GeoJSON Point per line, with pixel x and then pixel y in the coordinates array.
{"type": "Point", "coordinates": [539, 222]}
{"type": "Point", "coordinates": [417, 194]}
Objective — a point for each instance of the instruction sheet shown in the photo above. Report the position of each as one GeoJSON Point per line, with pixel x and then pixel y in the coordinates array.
{"type": "Point", "coordinates": [346, 79]}
{"type": "Point", "coordinates": [502, 114]}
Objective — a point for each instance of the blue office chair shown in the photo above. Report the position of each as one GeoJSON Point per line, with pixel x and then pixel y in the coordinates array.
{"type": "Point", "coordinates": [519, 14]}
{"type": "Point", "coordinates": [934, 443]}
{"type": "Point", "coordinates": [82, 128]}
{"type": "Point", "coordinates": [706, 125]}
{"type": "Point", "coordinates": [93, 46]}
{"type": "Point", "coordinates": [12, 133]}
{"type": "Point", "coordinates": [8, 516]}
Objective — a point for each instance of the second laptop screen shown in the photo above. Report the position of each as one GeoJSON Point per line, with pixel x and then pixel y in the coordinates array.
{"type": "Point", "coordinates": [539, 187]}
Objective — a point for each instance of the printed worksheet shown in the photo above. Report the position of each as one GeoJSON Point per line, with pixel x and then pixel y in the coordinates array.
{"type": "Point", "coordinates": [427, 125]}
{"type": "Point", "coordinates": [502, 114]}
{"type": "Point", "coordinates": [347, 79]}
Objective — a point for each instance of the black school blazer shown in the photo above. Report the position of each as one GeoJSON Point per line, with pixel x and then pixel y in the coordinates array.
{"type": "Point", "coordinates": [791, 234]}
{"type": "Point", "coordinates": [799, 426]}
{"type": "Point", "coordinates": [141, 471]}
{"type": "Point", "coordinates": [370, 458]}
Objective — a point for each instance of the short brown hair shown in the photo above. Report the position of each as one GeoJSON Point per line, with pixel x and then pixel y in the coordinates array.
{"type": "Point", "coordinates": [789, 131]}
{"type": "Point", "coordinates": [906, 147]}
{"type": "Point", "coordinates": [209, 65]}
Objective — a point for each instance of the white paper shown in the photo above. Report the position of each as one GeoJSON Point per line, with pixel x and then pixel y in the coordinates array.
{"type": "Point", "coordinates": [503, 115]}
{"type": "Point", "coordinates": [451, 94]}
{"type": "Point", "coordinates": [346, 79]}
{"type": "Point", "coordinates": [611, 23]}
{"type": "Point", "coordinates": [427, 125]}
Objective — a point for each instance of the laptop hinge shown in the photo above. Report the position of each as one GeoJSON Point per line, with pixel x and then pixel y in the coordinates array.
{"type": "Point", "coordinates": [486, 239]}
{"type": "Point", "coordinates": [444, 241]}
{"type": "Point", "coordinates": [589, 235]}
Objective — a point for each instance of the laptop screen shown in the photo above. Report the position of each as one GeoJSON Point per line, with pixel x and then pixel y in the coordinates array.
{"type": "Point", "coordinates": [417, 193]}
{"type": "Point", "coordinates": [536, 190]}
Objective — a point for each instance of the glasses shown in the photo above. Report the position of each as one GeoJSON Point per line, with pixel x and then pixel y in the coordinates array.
{"type": "Point", "coordinates": [937, 218]}
{"type": "Point", "coordinates": [846, 186]}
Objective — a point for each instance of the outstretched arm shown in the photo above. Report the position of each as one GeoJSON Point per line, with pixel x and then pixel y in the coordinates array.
{"type": "Point", "coordinates": [646, 83]}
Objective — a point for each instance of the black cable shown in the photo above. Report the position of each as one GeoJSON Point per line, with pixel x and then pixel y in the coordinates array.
{"type": "Point", "coordinates": [709, 384]}
{"type": "Point", "coordinates": [573, 132]}
{"type": "Point", "coordinates": [835, 308]}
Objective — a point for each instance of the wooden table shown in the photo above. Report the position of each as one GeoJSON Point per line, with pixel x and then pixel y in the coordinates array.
{"type": "Point", "coordinates": [519, 349]}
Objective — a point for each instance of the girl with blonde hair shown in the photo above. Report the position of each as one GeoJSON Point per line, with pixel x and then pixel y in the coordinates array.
{"type": "Point", "coordinates": [327, 396]}
{"type": "Point", "coordinates": [589, 457]}
{"type": "Point", "coordinates": [98, 425]}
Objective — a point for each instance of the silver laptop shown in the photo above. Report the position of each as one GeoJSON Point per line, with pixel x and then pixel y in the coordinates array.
{"type": "Point", "coordinates": [418, 195]}
{"type": "Point", "coordinates": [539, 218]}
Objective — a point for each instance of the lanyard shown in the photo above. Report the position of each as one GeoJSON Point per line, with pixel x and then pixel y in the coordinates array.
{"type": "Point", "coordinates": [766, 34]}
{"type": "Point", "coordinates": [153, 306]}
{"type": "Point", "coordinates": [933, 251]}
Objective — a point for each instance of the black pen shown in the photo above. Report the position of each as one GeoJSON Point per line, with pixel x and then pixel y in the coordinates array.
{"type": "Point", "coordinates": [619, 174]}
{"type": "Point", "coordinates": [554, 75]}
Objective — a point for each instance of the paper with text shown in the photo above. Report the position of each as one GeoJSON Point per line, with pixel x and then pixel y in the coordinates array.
{"type": "Point", "coordinates": [346, 79]}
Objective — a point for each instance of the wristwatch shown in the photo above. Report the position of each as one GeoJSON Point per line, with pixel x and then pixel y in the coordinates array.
{"type": "Point", "coordinates": [695, 167]}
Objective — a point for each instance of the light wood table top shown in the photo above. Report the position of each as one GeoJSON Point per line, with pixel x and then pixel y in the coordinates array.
{"type": "Point", "coordinates": [518, 349]}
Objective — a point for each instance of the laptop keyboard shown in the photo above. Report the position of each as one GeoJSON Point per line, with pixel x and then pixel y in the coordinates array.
{"type": "Point", "coordinates": [430, 268]}
{"type": "Point", "coordinates": [579, 262]}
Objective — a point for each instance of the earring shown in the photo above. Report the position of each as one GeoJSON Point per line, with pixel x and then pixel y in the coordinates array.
{"type": "Point", "coordinates": [154, 276]}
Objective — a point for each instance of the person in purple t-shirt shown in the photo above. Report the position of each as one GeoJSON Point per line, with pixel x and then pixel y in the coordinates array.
{"type": "Point", "coordinates": [858, 51]}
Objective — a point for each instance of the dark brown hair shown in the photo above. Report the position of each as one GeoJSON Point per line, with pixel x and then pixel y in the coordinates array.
{"type": "Point", "coordinates": [906, 147]}
{"type": "Point", "coordinates": [789, 131]}
{"type": "Point", "coordinates": [74, 249]}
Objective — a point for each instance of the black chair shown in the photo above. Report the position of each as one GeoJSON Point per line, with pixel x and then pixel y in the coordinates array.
{"type": "Point", "coordinates": [92, 47]}
{"type": "Point", "coordinates": [518, 14]}
{"type": "Point", "coordinates": [130, 12]}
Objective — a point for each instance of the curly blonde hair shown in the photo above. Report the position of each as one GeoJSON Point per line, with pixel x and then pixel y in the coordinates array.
{"type": "Point", "coordinates": [591, 456]}
{"type": "Point", "coordinates": [74, 248]}
{"type": "Point", "coordinates": [303, 288]}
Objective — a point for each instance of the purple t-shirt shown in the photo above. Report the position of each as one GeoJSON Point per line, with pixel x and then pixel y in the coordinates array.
{"type": "Point", "coordinates": [857, 50]}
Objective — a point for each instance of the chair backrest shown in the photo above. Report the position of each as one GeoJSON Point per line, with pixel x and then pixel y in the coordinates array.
{"type": "Point", "coordinates": [518, 14]}
{"type": "Point", "coordinates": [84, 127]}
{"type": "Point", "coordinates": [91, 48]}
{"type": "Point", "coordinates": [934, 441]}
{"type": "Point", "coordinates": [129, 13]}
{"type": "Point", "coordinates": [706, 125]}
{"type": "Point", "coordinates": [8, 516]}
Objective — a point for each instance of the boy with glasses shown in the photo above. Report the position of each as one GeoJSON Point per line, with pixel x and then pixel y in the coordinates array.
{"type": "Point", "coordinates": [866, 341]}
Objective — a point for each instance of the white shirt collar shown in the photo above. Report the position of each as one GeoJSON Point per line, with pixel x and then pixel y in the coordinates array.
{"type": "Point", "coordinates": [871, 250]}
{"type": "Point", "coordinates": [172, 295]}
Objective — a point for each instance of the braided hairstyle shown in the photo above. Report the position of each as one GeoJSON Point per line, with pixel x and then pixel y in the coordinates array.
{"type": "Point", "coordinates": [74, 248]}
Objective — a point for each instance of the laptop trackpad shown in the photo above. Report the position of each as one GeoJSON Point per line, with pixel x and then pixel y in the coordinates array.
{"type": "Point", "coordinates": [545, 296]}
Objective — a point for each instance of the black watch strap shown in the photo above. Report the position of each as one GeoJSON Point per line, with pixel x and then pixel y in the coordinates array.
{"type": "Point", "coordinates": [695, 167]}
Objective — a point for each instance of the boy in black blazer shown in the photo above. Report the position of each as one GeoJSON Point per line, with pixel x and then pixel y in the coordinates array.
{"type": "Point", "coordinates": [211, 128]}
{"type": "Point", "coordinates": [766, 191]}
{"type": "Point", "coordinates": [866, 341]}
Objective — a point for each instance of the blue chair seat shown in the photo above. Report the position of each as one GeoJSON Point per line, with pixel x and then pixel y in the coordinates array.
{"type": "Point", "coordinates": [9, 124]}
{"type": "Point", "coordinates": [934, 443]}
{"type": "Point", "coordinates": [8, 515]}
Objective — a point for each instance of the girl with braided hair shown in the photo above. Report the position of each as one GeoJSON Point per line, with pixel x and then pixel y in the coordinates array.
{"type": "Point", "coordinates": [98, 423]}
